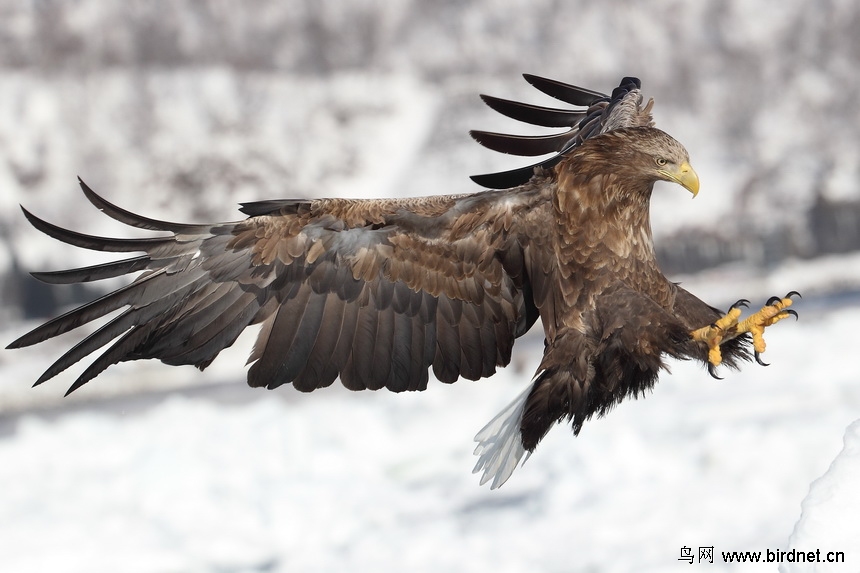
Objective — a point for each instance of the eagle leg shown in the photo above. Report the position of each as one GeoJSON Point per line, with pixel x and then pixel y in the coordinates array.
{"type": "Point", "coordinates": [729, 327]}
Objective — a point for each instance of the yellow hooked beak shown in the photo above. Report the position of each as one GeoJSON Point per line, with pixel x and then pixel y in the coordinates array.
{"type": "Point", "coordinates": [685, 176]}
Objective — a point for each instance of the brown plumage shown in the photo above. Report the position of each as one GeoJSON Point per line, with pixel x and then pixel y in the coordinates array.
{"type": "Point", "coordinates": [376, 292]}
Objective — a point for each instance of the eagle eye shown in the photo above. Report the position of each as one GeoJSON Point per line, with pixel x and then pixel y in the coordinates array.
{"type": "Point", "coordinates": [661, 161]}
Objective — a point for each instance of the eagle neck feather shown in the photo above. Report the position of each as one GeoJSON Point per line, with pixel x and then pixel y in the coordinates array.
{"type": "Point", "coordinates": [604, 219]}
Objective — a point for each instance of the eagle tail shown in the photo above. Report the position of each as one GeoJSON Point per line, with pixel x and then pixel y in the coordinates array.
{"type": "Point", "coordinates": [500, 446]}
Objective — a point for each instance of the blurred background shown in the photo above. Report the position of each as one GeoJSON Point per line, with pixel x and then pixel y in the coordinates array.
{"type": "Point", "coordinates": [181, 109]}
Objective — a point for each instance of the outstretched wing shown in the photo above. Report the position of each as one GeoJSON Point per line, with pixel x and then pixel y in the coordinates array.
{"type": "Point", "coordinates": [373, 291]}
{"type": "Point", "coordinates": [623, 108]}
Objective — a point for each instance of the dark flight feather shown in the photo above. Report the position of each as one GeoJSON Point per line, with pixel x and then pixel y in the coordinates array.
{"type": "Point", "coordinates": [93, 273]}
{"type": "Point", "coordinates": [573, 95]}
{"type": "Point", "coordinates": [534, 114]}
{"type": "Point", "coordinates": [603, 113]}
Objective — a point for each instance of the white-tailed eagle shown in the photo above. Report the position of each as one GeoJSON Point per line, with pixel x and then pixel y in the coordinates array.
{"type": "Point", "coordinates": [376, 292]}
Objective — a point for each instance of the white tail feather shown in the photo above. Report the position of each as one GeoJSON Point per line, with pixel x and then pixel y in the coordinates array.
{"type": "Point", "coordinates": [500, 444]}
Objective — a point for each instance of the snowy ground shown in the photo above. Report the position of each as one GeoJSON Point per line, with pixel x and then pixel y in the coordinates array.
{"type": "Point", "coordinates": [830, 512]}
{"type": "Point", "coordinates": [235, 479]}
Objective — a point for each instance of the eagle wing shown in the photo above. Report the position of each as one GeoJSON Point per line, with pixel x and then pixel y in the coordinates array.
{"type": "Point", "coordinates": [602, 113]}
{"type": "Point", "coordinates": [373, 291]}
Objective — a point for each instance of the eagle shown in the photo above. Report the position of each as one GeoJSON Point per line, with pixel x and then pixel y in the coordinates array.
{"type": "Point", "coordinates": [378, 292]}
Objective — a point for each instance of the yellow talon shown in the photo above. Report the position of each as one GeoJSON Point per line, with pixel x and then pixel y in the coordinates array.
{"type": "Point", "coordinates": [714, 334]}
{"type": "Point", "coordinates": [727, 327]}
{"type": "Point", "coordinates": [715, 357]}
{"type": "Point", "coordinates": [729, 320]}
{"type": "Point", "coordinates": [714, 331]}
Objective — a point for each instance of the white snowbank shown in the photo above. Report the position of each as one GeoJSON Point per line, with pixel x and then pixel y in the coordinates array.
{"type": "Point", "coordinates": [829, 518]}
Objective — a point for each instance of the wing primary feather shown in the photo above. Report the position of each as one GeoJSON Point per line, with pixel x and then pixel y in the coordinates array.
{"type": "Point", "coordinates": [217, 337]}
{"type": "Point", "coordinates": [128, 319]}
{"type": "Point", "coordinates": [195, 313]}
{"type": "Point", "coordinates": [84, 314]}
{"type": "Point", "coordinates": [514, 177]}
{"type": "Point", "coordinates": [121, 350]}
{"type": "Point", "coordinates": [139, 316]}
{"type": "Point", "coordinates": [524, 145]}
{"type": "Point", "coordinates": [129, 218]}
{"type": "Point", "coordinates": [88, 345]}
{"type": "Point", "coordinates": [603, 113]}
{"type": "Point", "coordinates": [94, 243]}
{"type": "Point", "coordinates": [212, 324]}
{"type": "Point", "coordinates": [95, 272]}
{"type": "Point", "coordinates": [534, 114]}
{"type": "Point", "coordinates": [567, 93]}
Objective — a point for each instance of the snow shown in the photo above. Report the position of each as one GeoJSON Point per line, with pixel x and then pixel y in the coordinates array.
{"type": "Point", "coordinates": [235, 479]}
{"type": "Point", "coordinates": [829, 519]}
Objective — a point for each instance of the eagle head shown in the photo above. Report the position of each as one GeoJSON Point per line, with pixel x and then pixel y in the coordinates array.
{"type": "Point", "coordinates": [659, 156]}
{"type": "Point", "coordinates": [640, 156]}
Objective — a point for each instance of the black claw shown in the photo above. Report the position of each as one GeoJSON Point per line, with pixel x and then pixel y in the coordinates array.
{"type": "Point", "coordinates": [759, 360]}
{"type": "Point", "coordinates": [742, 303]}
{"type": "Point", "coordinates": [773, 300]}
{"type": "Point", "coordinates": [712, 370]}
{"type": "Point", "coordinates": [793, 293]}
{"type": "Point", "coordinates": [793, 313]}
